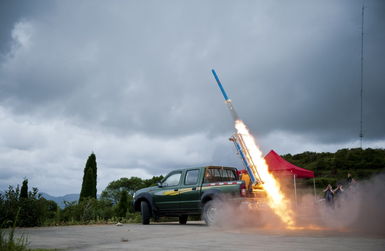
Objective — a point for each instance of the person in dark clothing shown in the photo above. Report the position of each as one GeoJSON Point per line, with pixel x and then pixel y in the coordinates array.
{"type": "Point", "coordinates": [350, 180]}
{"type": "Point", "coordinates": [338, 190]}
{"type": "Point", "coordinates": [337, 194]}
{"type": "Point", "coordinates": [329, 195]}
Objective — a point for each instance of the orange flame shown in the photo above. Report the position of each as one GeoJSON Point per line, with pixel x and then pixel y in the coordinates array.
{"type": "Point", "coordinates": [276, 199]}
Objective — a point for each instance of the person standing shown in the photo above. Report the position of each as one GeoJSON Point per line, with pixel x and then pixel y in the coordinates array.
{"type": "Point", "coordinates": [337, 194]}
{"type": "Point", "coordinates": [339, 189]}
{"type": "Point", "coordinates": [350, 180]}
{"type": "Point", "coordinates": [329, 195]}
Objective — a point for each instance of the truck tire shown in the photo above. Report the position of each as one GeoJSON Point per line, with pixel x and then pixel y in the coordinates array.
{"type": "Point", "coordinates": [183, 219]}
{"type": "Point", "coordinates": [210, 213]}
{"type": "Point", "coordinates": [146, 214]}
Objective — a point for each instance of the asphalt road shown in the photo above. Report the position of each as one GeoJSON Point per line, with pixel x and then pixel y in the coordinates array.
{"type": "Point", "coordinates": [194, 236]}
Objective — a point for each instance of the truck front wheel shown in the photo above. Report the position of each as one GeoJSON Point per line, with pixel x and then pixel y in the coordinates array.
{"type": "Point", "coordinates": [146, 214]}
{"type": "Point", "coordinates": [210, 213]}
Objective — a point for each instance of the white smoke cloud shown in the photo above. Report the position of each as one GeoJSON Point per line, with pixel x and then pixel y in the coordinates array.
{"type": "Point", "coordinates": [359, 209]}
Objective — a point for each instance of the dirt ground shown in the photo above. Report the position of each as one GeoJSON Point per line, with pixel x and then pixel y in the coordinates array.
{"type": "Point", "coordinates": [193, 236]}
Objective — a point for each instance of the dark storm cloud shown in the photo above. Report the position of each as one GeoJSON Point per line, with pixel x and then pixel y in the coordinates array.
{"type": "Point", "coordinates": [315, 88]}
{"type": "Point", "coordinates": [146, 66]}
{"type": "Point", "coordinates": [131, 80]}
{"type": "Point", "coordinates": [12, 11]}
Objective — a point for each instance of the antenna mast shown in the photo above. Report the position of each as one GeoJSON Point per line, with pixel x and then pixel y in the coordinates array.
{"type": "Point", "coordinates": [362, 74]}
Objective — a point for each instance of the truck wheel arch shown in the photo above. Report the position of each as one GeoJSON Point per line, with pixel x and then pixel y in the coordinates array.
{"type": "Point", "coordinates": [212, 194]}
{"type": "Point", "coordinates": [143, 197]}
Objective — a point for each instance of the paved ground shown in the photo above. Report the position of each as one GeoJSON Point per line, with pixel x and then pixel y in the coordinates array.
{"type": "Point", "coordinates": [193, 236]}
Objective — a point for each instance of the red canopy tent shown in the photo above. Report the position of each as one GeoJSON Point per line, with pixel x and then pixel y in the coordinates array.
{"type": "Point", "coordinates": [279, 166]}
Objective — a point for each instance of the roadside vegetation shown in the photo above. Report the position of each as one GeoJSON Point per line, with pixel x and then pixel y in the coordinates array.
{"type": "Point", "coordinates": [115, 202]}
{"type": "Point", "coordinates": [8, 241]}
{"type": "Point", "coordinates": [114, 205]}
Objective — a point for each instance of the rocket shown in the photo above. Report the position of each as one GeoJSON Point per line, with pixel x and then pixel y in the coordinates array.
{"type": "Point", "coordinates": [237, 138]}
{"type": "Point", "coordinates": [227, 100]}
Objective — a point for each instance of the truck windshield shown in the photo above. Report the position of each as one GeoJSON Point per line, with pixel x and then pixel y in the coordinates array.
{"type": "Point", "coordinates": [172, 180]}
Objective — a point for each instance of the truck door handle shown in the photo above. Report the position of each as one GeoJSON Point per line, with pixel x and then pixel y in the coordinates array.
{"type": "Point", "coordinates": [194, 188]}
{"type": "Point", "coordinates": [176, 189]}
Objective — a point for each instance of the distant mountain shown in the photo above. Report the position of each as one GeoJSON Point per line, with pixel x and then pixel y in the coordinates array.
{"type": "Point", "coordinates": [60, 199]}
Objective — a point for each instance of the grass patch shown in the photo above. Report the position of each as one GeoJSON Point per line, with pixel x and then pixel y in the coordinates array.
{"type": "Point", "coordinates": [8, 242]}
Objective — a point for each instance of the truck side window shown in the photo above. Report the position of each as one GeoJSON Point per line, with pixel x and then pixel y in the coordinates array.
{"type": "Point", "coordinates": [191, 177]}
{"type": "Point", "coordinates": [225, 175]}
{"type": "Point", "coordinates": [209, 176]}
{"type": "Point", "coordinates": [212, 175]}
{"type": "Point", "coordinates": [172, 180]}
{"type": "Point", "coordinates": [217, 174]}
{"type": "Point", "coordinates": [231, 175]}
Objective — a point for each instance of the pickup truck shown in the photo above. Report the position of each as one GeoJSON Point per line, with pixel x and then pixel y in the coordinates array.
{"type": "Point", "coordinates": [188, 192]}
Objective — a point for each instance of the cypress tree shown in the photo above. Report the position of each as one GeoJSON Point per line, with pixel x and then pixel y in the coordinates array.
{"type": "Point", "coordinates": [24, 189]}
{"type": "Point", "coordinates": [89, 179]}
{"type": "Point", "coordinates": [123, 204]}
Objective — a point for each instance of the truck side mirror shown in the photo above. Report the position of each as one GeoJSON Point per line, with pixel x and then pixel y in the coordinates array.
{"type": "Point", "coordinates": [159, 184]}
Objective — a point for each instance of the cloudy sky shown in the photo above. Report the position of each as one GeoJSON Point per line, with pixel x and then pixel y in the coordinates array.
{"type": "Point", "coordinates": [131, 81]}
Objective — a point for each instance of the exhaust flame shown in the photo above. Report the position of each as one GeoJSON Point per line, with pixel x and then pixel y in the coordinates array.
{"type": "Point", "coordinates": [276, 199]}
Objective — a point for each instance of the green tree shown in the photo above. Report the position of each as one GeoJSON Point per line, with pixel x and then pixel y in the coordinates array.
{"type": "Point", "coordinates": [123, 204]}
{"type": "Point", "coordinates": [153, 181]}
{"type": "Point", "coordinates": [24, 189]}
{"type": "Point", "coordinates": [114, 188]}
{"type": "Point", "coordinates": [113, 191]}
{"type": "Point", "coordinates": [89, 179]}
{"type": "Point", "coordinates": [9, 205]}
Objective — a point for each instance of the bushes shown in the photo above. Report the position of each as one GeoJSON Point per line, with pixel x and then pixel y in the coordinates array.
{"type": "Point", "coordinates": [33, 210]}
{"type": "Point", "coordinates": [86, 211]}
{"type": "Point", "coordinates": [37, 211]}
{"type": "Point", "coordinates": [91, 211]}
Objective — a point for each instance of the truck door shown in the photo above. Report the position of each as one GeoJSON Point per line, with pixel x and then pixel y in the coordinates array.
{"type": "Point", "coordinates": [190, 190]}
{"type": "Point", "coordinates": [167, 197]}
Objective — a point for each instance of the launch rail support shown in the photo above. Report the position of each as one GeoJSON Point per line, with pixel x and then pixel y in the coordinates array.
{"type": "Point", "coordinates": [238, 138]}
{"type": "Point", "coordinates": [295, 189]}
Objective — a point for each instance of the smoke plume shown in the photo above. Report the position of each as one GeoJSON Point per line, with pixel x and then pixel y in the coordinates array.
{"type": "Point", "coordinates": [358, 209]}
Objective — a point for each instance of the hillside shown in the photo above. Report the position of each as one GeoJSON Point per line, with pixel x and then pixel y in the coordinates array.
{"type": "Point", "coordinates": [334, 167]}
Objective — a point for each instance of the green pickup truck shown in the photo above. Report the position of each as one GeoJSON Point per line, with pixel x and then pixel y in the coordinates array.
{"type": "Point", "coordinates": [191, 191]}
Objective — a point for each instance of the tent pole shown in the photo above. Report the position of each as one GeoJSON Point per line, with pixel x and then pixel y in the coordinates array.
{"type": "Point", "coordinates": [295, 189]}
{"type": "Point", "coordinates": [315, 192]}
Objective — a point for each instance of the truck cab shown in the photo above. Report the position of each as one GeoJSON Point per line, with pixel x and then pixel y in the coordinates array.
{"type": "Point", "coordinates": [187, 192]}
